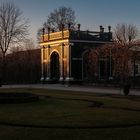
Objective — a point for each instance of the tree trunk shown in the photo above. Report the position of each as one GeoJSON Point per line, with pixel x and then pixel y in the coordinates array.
{"type": "Point", "coordinates": [3, 74]}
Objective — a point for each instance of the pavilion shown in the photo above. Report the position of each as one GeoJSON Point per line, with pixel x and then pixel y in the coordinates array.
{"type": "Point", "coordinates": [63, 54]}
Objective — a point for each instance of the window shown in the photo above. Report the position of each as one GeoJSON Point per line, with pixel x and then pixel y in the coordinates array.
{"type": "Point", "coordinates": [136, 69]}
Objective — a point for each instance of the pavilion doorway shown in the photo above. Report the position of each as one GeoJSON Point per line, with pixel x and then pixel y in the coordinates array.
{"type": "Point", "coordinates": [54, 66]}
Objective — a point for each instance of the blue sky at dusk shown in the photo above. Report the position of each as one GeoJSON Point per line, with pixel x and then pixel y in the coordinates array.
{"type": "Point", "coordinates": [89, 13]}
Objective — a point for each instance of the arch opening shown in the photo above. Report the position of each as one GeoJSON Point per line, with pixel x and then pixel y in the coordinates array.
{"type": "Point", "coordinates": [54, 66]}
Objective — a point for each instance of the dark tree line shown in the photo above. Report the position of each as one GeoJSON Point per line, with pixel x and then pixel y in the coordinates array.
{"type": "Point", "coordinates": [23, 67]}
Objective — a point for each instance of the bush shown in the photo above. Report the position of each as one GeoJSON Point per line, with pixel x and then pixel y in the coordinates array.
{"type": "Point", "coordinates": [126, 89]}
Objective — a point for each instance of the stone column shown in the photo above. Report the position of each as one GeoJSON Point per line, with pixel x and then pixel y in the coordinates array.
{"type": "Point", "coordinates": [48, 63]}
{"type": "Point", "coordinates": [62, 64]}
{"type": "Point", "coordinates": [42, 63]}
{"type": "Point", "coordinates": [69, 76]}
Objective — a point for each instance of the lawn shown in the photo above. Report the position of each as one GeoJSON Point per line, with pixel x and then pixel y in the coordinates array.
{"type": "Point", "coordinates": [67, 115]}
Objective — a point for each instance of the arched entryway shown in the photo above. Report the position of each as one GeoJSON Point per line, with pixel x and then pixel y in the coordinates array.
{"type": "Point", "coordinates": [54, 65]}
{"type": "Point", "coordinates": [89, 66]}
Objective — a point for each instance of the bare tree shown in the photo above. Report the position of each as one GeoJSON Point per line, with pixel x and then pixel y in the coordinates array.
{"type": "Point", "coordinates": [61, 16]}
{"type": "Point", "coordinates": [125, 37]}
{"type": "Point", "coordinates": [125, 34]}
{"type": "Point", "coordinates": [13, 28]}
{"type": "Point", "coordinates": [30, 44]}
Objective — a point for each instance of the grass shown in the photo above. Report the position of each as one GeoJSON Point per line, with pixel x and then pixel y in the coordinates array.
{"type": "Point", "coordinates": [70, 115]}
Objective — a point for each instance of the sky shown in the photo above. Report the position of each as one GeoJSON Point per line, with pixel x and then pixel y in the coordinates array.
{"type": "Point", "coordinates": [89, 13]}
